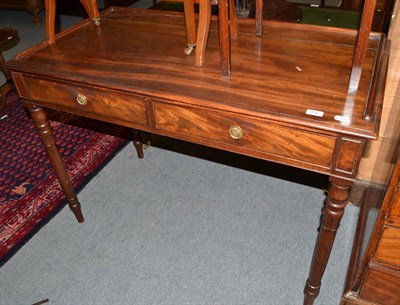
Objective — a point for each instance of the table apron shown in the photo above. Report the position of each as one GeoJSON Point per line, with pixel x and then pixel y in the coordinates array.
{"type": "Point", "coordinates": [328, 153]}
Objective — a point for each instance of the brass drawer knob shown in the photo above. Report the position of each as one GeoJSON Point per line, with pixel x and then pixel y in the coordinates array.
{"type": "Point", "coordinates": [236, 132]}
{"type": "Point", "coordinates": [81, 99]}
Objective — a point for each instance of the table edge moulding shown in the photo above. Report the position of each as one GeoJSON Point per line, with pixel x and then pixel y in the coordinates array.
{"type": "Point", "coordinates": [117, 68]}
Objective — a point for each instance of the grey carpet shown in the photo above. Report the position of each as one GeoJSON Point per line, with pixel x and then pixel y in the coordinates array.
{"type": "Point", "coordinates": [174, 229]}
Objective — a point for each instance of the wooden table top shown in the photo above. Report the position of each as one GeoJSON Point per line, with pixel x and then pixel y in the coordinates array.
{"type": "Point", "coordinates": [290, 70]}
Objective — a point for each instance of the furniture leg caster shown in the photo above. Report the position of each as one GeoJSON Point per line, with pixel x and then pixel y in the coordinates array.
{"type": "Point", "coordinates": [189, 49]}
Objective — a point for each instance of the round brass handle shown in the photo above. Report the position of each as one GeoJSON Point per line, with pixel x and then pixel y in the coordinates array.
{"type": "Point", "coordinates": [236, 132]}
{"type": "Point", "coordinates": [81, 99]}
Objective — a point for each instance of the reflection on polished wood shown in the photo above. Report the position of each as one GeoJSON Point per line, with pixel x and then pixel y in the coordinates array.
{"type": "Point", "coordinates": [333, 212]}
{"type": "Point", "coordinates": [285, 102]}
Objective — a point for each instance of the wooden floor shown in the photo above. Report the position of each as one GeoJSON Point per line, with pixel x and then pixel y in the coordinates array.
{"type": "Point", "coordinates": [289, 71]}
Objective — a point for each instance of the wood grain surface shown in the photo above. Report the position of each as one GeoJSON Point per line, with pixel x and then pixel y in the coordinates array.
{"type": "Point", "coordinates": [290, 69]}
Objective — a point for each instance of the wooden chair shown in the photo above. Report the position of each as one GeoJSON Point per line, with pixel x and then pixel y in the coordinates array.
{"type": "Point", "coordinates": [227, 29]}
{"type": "Point", "coordinates": [228, 25]}
{"type": "Point", "coordinates": [8, 38]}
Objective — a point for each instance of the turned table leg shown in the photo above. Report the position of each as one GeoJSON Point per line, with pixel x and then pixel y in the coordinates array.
{"type": "Point", "coordinates": [140, 140]}
{"type": "Point", "coordinates": [332, 214]}
{"type": "Point", "coordinates": [44, 130]}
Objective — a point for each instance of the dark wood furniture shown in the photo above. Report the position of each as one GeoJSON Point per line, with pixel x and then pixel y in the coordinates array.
{"type": "Point", "coordinates": [376, 170]}
{"type": "Point", "coordinates": [285, 102]}
{"type": "Point", "coordinates": [8, 38]}
{"type": "Point", "coordinates": [378, 281]}
{"type": "Point", "coordinates": [31, 6]}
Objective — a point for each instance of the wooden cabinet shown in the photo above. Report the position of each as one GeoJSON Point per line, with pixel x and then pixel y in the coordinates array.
{"type": "Point", "coordinates": [380, 287]}
{"type": "Point", "coordinates": [379, 277]}
{"type": "Point", "coordinates": [31, 6]}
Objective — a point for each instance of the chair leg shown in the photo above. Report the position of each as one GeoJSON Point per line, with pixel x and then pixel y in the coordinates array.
{"type": "Point", "coordinates": [224, 39]}
{"type": "Point", "coordinates": [361, 45]}
{"type": "Point", "coordinates": [227, 22]}
{"type": "Point", "coordinates": [203, 30]}
{"type": "Point", "coordinates": [259, 16]}
{"type": "Point", "coordinates": [233, 26]}
{"type": "Point", "coordinates": [91, 8]}
{"type": "Point", "coordinates": [188, 6]}
{"type": "Point", "coordinates": [35, 16]}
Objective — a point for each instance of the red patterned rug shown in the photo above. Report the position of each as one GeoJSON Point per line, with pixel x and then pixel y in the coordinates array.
{"type": "Point", "coordinates": [30, 194]}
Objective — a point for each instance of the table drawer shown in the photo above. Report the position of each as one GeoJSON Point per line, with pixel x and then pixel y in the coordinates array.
{"type": "Point", "coordinates": [246, 133]}
{"type": "Point", "coordinates": [388, 250]}
{"type": "Point", "coordinates": [128, 107]}
{"type": "Point", "coordinates": [380, 288]}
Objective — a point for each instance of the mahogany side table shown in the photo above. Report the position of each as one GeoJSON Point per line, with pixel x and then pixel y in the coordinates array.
{"type": "Point", "coordinates": [285, 103]}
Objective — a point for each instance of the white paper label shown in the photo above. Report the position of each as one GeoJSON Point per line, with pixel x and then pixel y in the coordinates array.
{"type": "Point", "coordinates": [315, 113]}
